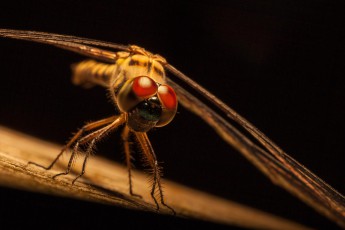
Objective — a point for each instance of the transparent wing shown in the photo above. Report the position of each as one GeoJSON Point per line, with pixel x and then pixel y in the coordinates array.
{"type": "Point", "coordinates": [282, 169]}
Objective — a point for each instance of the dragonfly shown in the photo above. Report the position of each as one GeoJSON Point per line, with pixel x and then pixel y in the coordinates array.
{"type": "Point", "coordinates": [147, 97]}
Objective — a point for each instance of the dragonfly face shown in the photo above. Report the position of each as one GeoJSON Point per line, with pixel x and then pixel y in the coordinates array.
{"type": "Point", "coordinates": [147, 103]}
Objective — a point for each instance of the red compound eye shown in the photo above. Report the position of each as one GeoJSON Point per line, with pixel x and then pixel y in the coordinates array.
{"type": "Point", "coordinates": [144, 86]}
{"type": "Point", "coordinates": [167, 96]}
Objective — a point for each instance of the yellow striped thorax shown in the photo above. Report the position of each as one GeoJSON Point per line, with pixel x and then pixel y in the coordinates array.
{"type": "Point", "coordinates": [139, 63]}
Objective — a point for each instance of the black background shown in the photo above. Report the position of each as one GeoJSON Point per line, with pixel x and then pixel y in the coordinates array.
{"type": "Point", "coordinates": [280, 64]}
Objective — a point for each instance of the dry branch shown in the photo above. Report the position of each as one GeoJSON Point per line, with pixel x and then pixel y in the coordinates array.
{"type": "Point", "coordinates": [107, 182]}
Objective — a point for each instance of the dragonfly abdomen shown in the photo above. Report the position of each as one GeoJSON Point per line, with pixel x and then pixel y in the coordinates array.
{"type": "Point", "coordinates": [89, 73]}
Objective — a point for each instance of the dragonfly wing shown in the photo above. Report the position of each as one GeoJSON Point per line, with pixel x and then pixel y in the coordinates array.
{"type": "Point", "coordinates": [277, 165]}
{"type": "Point", "coordinates": [84, 46]}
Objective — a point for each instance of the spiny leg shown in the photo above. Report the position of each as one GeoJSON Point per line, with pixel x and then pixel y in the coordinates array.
{"type": "Point", "coordinates": [82, 141]}
{"type": "Point", "coordinates": [152, 160]}
{"type": "Point", "coordinates": [85, 128]}
{"type": "Point", "coordinates": [125, 137]}
{"type": "Point", "coordinates": [70, 162]}
{"type": "Point", "coordinates": [94, 137]}
{"type": "Point", "coordinates": [75, 151]}
{"type": "Point", "coordinates": [87, 154]}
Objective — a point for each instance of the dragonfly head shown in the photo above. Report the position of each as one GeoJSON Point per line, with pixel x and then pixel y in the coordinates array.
{"type": "Point", "coordinates": [147, 103]}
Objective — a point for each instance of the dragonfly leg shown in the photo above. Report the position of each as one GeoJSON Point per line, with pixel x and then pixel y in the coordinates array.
{"type": "Point", "coordinates": [93, 138]}
{"type": "Point", "coordinates": [70, 162]}
{"type": "Point", "coordinates": [150, 156]}
{"type": "Point", "coordinates": [85, 128]}
{"type": "Point", "coordinates": [125, 138]}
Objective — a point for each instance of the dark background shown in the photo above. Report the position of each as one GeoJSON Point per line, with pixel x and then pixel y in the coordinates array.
{"type": "Point", "coordinates": [280, 64]}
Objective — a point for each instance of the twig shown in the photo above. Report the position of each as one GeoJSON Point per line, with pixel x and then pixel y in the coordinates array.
{"type": "Point", "coordinates": [107, 182]}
